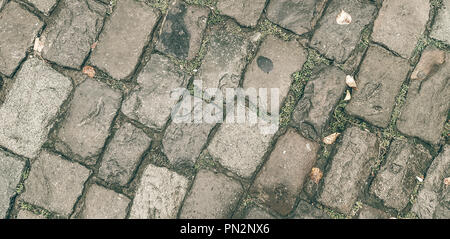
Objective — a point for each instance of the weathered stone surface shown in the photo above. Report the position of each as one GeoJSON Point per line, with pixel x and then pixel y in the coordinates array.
{"type": "Point", "coordinates": [379, 81]}
{"type": "Point", "coordinates": [307, 211]}
{"type": "Point", "coordinates": [284, 59]}
{"type": "Point", "coordinates": [429, 63]}
{"type": "Point", "coordinates": [297, 16]}
{"type": "Point", "coordinates": [368, 212]}
{"type": "Point", "coordinates": [212, 196]}
{"type": "Point", "coordinates": [441, 27]}
{"type": "Point", "coordinates": [124, 37]}
{"type": "Point", "coordinates": [398, 177]}
{"type": "Point", "coordinates": [321, 95]}
{"type": "Point", "coordinates": [69, 36]}
{"type": "Point", "coordinates": [400, 23]}
{"type": "Point", "coordinates": [433, 200]}
{"type": "Point", "coordinates": [29, 110]}
{"type": "Point", "coordinates": [1, 3]}
{"type": "Point", "coordinates": [123, 154]}
{"type": "Point", "coordinates": [246, 12]}
{"type": "Point", "coordinates": [349, 170]}
{"type": "Point", "coordinates": [10, 174]}
{"type": "Point", "coordinates": [428, 100]}
{"type": "Point", "coordinates": [23, 214]}
{"type": "Point", "coordinates": [181, 35]}
{"type": "Point", "coordinates": [159, 195]}
{"type": "Point", "coordinates": [91, 112]}
{"type": "Point", "coordinates": [102, 203]}
{"type": "Point", "coordinates": [281, 179]}
{"type": "Point", "coordinates": [54, 183]}
{"type": "Point", "coordinates": [338, 41]}
{"type": "Point", "coordinates": [18, 28]}
{"type": "Point", "coordinates": [45, 6]}
{"type": "Point", "coordinates": [151, 104]}
{"type": "Point", "coordinates": [258, 213]}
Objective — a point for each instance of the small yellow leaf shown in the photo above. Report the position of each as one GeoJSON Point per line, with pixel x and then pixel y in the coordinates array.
{"type": "Point", "coordinates": [343, 18]}
{"type": "Point", "coordinates": [89, 71]}
{"type": "Point", "coordinates": [316, 175]}
{"type": "Point", "coordinates": [330, 139]}
{"type": "Point", "coordinates": [350, 81]}
{"type": "Point", "coordinates": [348, 96]}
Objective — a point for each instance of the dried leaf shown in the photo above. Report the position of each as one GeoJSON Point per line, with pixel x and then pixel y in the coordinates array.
{"type": "Point", "coordinates": [348, 96]}
{"type": "Point", "coordinates": [89, 71]}
{"type": "Point", "coordinates": [419, 178]}
{"type": "Point", "coordinates": [343, 18]}
{"type": "Point", "coordinates": [350, 81]}
{"type": "Point", "coordinates": [39, 44]}
{"type": "Point", "coordinates": [330, 139]}
{"type": "Point", "coordinates": [316, 175]}
{"type": "Point", "coordinates": [447, 181]}
{"type": "Point", "coordinates": [94, 45]}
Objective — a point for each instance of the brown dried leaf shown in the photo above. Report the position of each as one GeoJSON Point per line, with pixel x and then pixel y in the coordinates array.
{"type": "Point", "coordinates": [89, 71]}
{"type": "Point", "coordinates": [94, 45]}
{"type": "Point", "coordinates": [447, 181]}
{"type": "Point", "coordinates": [316, 175]}
{"type": "Point", "coordinates": [343, 18]}
{"type": "Point", "coordinates": [350, 81]}
{"type": "Point", "coordinates": [330, 139]}
{"type": "Point", "coordinates": [348, 96]}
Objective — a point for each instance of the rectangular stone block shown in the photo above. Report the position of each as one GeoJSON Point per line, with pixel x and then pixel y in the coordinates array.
{"type": "Point", "coordinates": [102, 203]}
{"type": "Point", "coordinates": [45, 6]}
{"type": "Point", "coordinates": [10, 174]}
{"type": "Point", "coordinates": [441, 27]}
{"type": "Point", "coordinates": [246, 12]}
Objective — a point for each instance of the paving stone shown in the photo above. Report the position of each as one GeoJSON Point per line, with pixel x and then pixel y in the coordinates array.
{"type": "Point", "coordinates": [349, 170]}
{"type": "Point", "coordinates": [29, 111]}
{"type": "Point", "coordinates": [69, 36]}
{"type": "Point", "coordinates": [54, 183]}
{"type": "Point", "coordinates": [45, 6]}
{"type": "Point", "coordinates": [123, 154]}
{"type": "Point", "coordinates": [213, 196]}
{"type": "Point", "coordinates": [441, 27]}
{"type": "Point", "coordinates": [258, 213]}
{"type": "Point", "coordinates": [124, 37]}
{"type": "Point", "coordinates": [10, 174]}
{"type": "Point", "coordinates": [368, 212]}
{"type": "Point", "coordinates": [428, 100]}
{"type": "Point", "coordinates": [297, 16]}
{"type": "Point", "coordinates": [23, 214]}
{"type": "Point", "coordinates": [400, 23]}
{"type": "Point", "coordinates": [181, 34]}
{"type": "Point", "coordinates": [336, 41]}
{"type": "Point", "coordinates": [91, 112]}
{"type": "Point", "coordinates": [380, 78]}
{"type": "Point", "coordinates": [433, 200]}
{"type": "Point", "coordinates": [307, 211]}
{"type": "Point", "coordinates": [18, 28]}
{"type": "Point", "coordinates": [102, 203]}
{"type": "Point", "coordinates": [159, 195]}
{"type": "Point", "coordinates": [245, 12]}
{"type": "Point", "coordinates": [397, 179]}
{"type": "Point", "coordinates": [151, 104]}
{"type": "Point", "coordinates": [321, 95]}
{"type": "Point", "coordinates": [281, 179]}
{"type": "Point", "coordinates": [284, 58]}
{"type": "Point", "coordinates": [1, 3]}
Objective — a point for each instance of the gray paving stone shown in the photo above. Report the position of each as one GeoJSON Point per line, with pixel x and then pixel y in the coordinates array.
{"type": "Point", "coordinates": [349, 170]}
{"type": "Point", "coordinates": [428, 100]}
{"type": "Point", "coordinates": [245, 12]}
{"type": "Point", "coordinates": [297, 16]}
{"type": "Point", "coordinates": [397, 179]}
{"type": "Point", "coordinates": [45, 6]}
{"type": "Point", "coordinates": [368, 212]}
{"type": "Point", "coordinates": [182, 33]}
{"type": "Point", "coordinates": [123, 154]}
{"type": "Point", "coordinates": [18, 28]}
{"type": "Point", "coordinates": [159, 195]}
{"type": "Point", "coordinates": [1, 3]}
{"type": "Point", "coordinates": [379, 81]}
{"type": "Point", "coordinates": [400, 24]}
{"type": "Point", "coordinates": [124, 37]}
{"type": "Point", "coordinates": [10, 174]}
{"type": "Point", "coordinates": [54, 183]}
{"type": "Point", "coordinates": [258, 213]}
{"type": "Point", "coordinates": [336, 41]}
{"type": "Point", "coordinates": [321, 95]}
{"type": "Point", "coordinates": [281, 179]}
{"type": "Point", "coordinates": [91, 112]}
{"type": "Point", "coordinates": [441, 27]}
{"type": "Point", "coordinates": [307, 211]}
{"type": "Point", "coordinates": [213, 196]}
{"type": "Point", "coordinates": [23, 214]}
{"type": "Point", "coordinates": [69, 36]}
{"type": "Point", "coordinates": [29, 111]}
{"type": "Point", "coordinates": [151, 104]}
{"type": "Point", "coordinates": [102, 203]}
{"type": "Point", "coordinates": [433, 200]}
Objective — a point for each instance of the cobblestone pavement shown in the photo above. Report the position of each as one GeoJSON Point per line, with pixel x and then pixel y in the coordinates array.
{"type": "Point", "coordinates": [85, 103]}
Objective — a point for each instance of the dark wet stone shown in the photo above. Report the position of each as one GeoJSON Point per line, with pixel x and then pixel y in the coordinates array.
{"type": "Point", "coordinates": [265, 64]}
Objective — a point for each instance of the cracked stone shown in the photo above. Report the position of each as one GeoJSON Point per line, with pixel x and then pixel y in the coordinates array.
{"type": "Point", "coordinates": [425, 111]}
{"type": "Point", "coordinates": [151, 104]}
{"type": "Point", "coordinates": [213, 196]}
{"type": "Point", "coordinates": [379, 81]}
{"type": "Point", "coordinates": [246, 12]}
{"type": "Point", "coordinates": [321, 95]}
{"type": "Point", "coordinates": [396, 180]}
{"type": "Point", "coordinates": [30, 108]}
{"type": "Point", "coordinates": [124, 37]}
{"type": "Point", "coordinates": [441, 27]}
{"type": "Point", "coordinates": [69, 36]}
{"type": "Point", "coordinates": [258, 213]}
{"type": "Point", "coordinates": [102, 203]}
{"type": "Point", "coordinates": [54, 183]}
{"type": "Point", "coordinates": [89, 118]}
{"type": "Point", "coordinates": [45, 6]}
{"type": "Point", "coordinates": [307, 211]}
{"type": "Point", "coordinates": [181, 35]}
{"type": "Point", "coordinates": [18, 28]}
{"type": "Point", "coordinates": [400, 23]}
{"type": "Point", "coordinates": [123, 154]}
{"type": "Point", "coordinates": [281, 178]}
{"type": "Point", "coordinates": [159, 195]}
{"type": "Point", "coordinates": [349, 170]}
{"type": "Point", "coordinates": [368, 212]}
{"type": "Point", "coordinates": [336, 41]}
{"type": "Point", "coordinates": [433, 200]}
{"type": "Point", "coordinates": [10, 173]}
